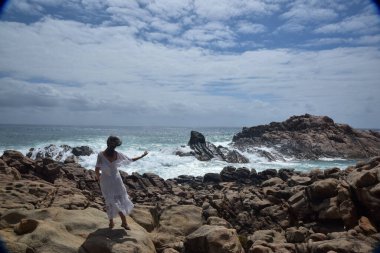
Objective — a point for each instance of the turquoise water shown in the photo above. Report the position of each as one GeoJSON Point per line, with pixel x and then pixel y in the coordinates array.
{"type": "Point", "coordinates": [160, 142]}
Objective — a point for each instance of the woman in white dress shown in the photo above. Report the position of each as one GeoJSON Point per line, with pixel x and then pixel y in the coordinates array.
{"type": "Point", "coordinates": [112, 186]}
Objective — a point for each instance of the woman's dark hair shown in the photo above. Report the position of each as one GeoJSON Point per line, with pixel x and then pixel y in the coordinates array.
{"type": "Point", "coordinates": [115, 140]}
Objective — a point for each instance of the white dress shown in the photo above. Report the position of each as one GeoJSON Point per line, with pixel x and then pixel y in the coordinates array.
{"type": "Point", "coordinates": [112, 186]}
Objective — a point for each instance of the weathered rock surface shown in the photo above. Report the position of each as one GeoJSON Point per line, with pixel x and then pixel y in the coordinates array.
{"type": "Point", "coordinates": [60, 230]}
{"type": "Point", "coordinates": [205, 151]}
{"type": "Point", "coordinates": [310, 137]}
{"type": "Point", "coordinates": [50, 206]}
{"type": "Point", "coordinates": [213, 239]}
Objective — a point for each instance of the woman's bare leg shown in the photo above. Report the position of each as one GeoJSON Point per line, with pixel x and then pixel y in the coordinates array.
{"type": "Point", "coordinates": [124, 221]}
{"type": "Point", "coordinates": [111, 225]}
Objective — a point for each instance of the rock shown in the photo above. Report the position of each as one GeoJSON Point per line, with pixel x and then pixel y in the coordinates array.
{"type": "Point", "coordinates": [180, 219]}
{"type": "Point", "coordinates": [169, 250]}
{"type": "Point", "coordinates": [296, 235]}
{"type": "Point", "coordinates": [260, 249]}
{"type": "Point", "coordinates": [205, 151]}
{"type": "Point", "coordinates": [18, 160]}
{"type": "Point", "coordinates": [272, 181]}
{"type": "Point", "coordinates": [331, 173]}
{"type": "Point", "coordinates": [363, 178]}
{"type": "Point", "coordinates": [243, 175]}
{"type": "Point", "coordinates": [310, 137]}
{"type": "Point", "coordinates": [282, 215]}
{"type": "Point", "coordinates": [143, 216]}
{"type": "Point", "coordinates": [176, 222]}
{"type": "Point", "coordinates": [212, 178]}
{"type": "Point", "coordinates": [299, 180]}
{"type": "Point", "coordinates": [346, 245]}
{"type": "Point", "coordinates": [71, 159]}
{"type": "Point", "coordinates": [61, 230]}
{"type": "Point", "coordinates": [228, 174]}
{"type": "Point", "coordinates": [366, 225]}
{"type": "Point", "coordinates": [213, 239]}
{"type": "Point", "coordinates": [52, 151]}
{"type": "Point", "coordinates": [25, 226]}
{"type": "Point", "coordinates": [285, 174]}
{"type": "Point", "coordinates": [267, 236]}
{"type": "Point", "coordinates": [366, 190]}
{"type": "Point", "coordinates": [216, 221]}
{"type": "Point", "coordinates": [26, 194]}
{"type": "Point", "coordinates": [82, 151]}
{"type": "Point", "coordinates": [322, 189]}
{"type": "Point", "coordinates": [317, 237]}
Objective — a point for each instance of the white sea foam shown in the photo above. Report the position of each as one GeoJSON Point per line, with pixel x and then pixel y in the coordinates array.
{"type": "Point", "coordinates": [161, 144]}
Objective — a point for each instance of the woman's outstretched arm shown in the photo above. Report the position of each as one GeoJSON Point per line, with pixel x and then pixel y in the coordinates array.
{"type": "Point", "coordinates": [139, 157]}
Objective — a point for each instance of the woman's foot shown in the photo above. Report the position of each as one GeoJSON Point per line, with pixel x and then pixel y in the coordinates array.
{"type": "Point", "coordinates": [111, 225]}
{"type": "Point", "coordinates": [125, 226]}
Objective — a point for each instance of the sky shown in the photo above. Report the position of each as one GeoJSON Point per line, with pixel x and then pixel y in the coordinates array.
{"type": "Point", "coordinates": [189, 62]}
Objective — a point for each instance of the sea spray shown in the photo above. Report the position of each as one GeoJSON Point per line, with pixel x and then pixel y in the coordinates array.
{"type": "Point", "coordinates": [161, 142]}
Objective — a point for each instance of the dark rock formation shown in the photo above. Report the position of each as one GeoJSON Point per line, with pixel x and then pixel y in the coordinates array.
{"type": "Point", "coordinates": [205, 151]}
{"type": "Point", "coordinates": [311, 137]}
{"type": "Point", "coordinates": [82, 151]}
{"type": "Point", "coordinates": [58, 153]}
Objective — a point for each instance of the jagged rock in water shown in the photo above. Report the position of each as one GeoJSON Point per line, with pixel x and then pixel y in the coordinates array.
{"type": "Point", "coordinates": [59, 153]}
{"type": "Point", "coordinates": [82, 151]}
{"type": "Point", "coordinates": [205, 151]}
{"type": "Point", "coordinates": [311, 137]}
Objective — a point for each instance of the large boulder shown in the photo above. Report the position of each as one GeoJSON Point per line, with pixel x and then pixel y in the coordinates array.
{"type": "Point", "coordinates": [82, 151]}
{"type": "Point", "coordinates": [175, 223]}
{"type": "Point", "coordinates": [61, 230]}
{"type": "Point", "coordinates": [322, 189]}
{"type": "Point", "coordinates": [310, 137]}
{"type": "Point", "coordinates": [213, 239]}
{"type": "Point", "coordinates": [205, 151]}
{"type": "Point", "coordinates": [364, 181]}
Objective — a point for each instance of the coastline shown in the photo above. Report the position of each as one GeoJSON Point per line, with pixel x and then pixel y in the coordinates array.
{"type": "Point", "coordinates": [271, 211]}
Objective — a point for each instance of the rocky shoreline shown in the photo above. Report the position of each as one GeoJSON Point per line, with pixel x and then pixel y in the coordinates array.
{"type": "Point", "coordinates": [50, 206]}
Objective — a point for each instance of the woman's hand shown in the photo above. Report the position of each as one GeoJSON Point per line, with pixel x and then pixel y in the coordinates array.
{"type": "Point", "coordinates": [139, 157]}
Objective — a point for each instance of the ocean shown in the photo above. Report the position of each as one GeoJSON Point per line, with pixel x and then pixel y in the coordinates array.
{"type": "Point", "coordinates": [160, 142]}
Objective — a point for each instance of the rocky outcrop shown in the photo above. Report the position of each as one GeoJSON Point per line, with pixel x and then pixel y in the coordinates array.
{"type": "Point", "coordinates": [205, 151]}
{"type": "Point", "coordinates": [310, 137]}
{"type": "Point", "coordinates": [63, 153]}
{"type": "Point", "coordinates": [56, 229]}
{"type": "Point", "coordinates": [50, 206]}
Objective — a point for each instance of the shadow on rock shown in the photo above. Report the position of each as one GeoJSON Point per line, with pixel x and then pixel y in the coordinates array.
{"type": "Point", "coordinates": [105, 240]}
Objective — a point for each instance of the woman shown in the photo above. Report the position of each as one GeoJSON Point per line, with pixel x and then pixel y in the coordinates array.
{"type": "Point", "coordinates": [111, 184]}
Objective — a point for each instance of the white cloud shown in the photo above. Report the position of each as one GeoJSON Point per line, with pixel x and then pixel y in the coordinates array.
{"type": "Point", "coordinates": [162, 62]}
{"type": "Point", "coordinates": [369, 40]}
{"type": "Point", "coordinates": [250, 28]}
{"type": "Point", "coordinates": [213, 32]}
{"type": "Point", "coordinates": [165, 27]}
{"type": "Point", "coordinates": [226, 9]}
{"type": "Point", "coordinates": [98, 69]}
{"type": "Point", "coordinates": [360, 24]}
{"type": "Point", "coordinates": [291, 27]}
{"type": "Point", "coordinates": [24, 7]}
{"type": "Point", "coordinates": [309, 13]}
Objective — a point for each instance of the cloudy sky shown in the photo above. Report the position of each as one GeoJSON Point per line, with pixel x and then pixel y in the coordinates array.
{"type": "Point", "coordinates": [189, 62]}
